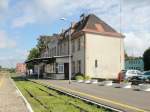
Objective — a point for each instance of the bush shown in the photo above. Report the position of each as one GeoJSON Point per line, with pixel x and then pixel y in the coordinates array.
{"type": "Point", "coordinates": [79, 77]}
{"type": "Point", "coordinates": [79, 74]}
{"type": "Point", "coordinates": [86, 77]}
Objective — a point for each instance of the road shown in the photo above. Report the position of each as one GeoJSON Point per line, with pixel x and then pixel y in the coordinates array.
{"type": "Point", "coordinates": [128, 100]}
{"type": "Point", "coordinates": [10, 101]}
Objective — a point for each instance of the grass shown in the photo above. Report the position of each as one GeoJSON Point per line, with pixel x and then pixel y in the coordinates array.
{"type": "Point", "coordinates": [43, 99]}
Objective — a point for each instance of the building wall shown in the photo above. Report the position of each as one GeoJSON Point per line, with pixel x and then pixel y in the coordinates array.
{"type": "Point", "coordinates": [100, 56]}
{"type": "Point", "coordinates": [78, 55]}
{"type": "Point", "coordinates": [21, 68]}
{"type": "Point", "coordinates": [109, 54]}
{"type": "Point", "coordinates": [62, 48]}
{"type": "Point", "coordinates": [49, 68]}
{"type": "Point", "coordinates": [52, 48]}
{"type": "Point", "coordinates": [136, 64]}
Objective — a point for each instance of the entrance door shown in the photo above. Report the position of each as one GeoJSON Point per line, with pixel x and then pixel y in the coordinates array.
{"type": "Point", "coordinates": [41, 71]}
{"type": "Point", "coordinates": [66, 70]}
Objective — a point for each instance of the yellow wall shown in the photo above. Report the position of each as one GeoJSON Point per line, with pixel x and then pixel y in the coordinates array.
{"type": "Point", "coordinates": [107, 51]}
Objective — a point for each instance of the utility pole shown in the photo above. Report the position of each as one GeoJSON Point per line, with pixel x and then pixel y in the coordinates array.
{"type": "Point", "coordinates": [70, 51]}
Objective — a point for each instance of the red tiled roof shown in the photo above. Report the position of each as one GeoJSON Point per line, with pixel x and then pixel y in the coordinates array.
{"type": "Point", "coordinates": [93, 24]}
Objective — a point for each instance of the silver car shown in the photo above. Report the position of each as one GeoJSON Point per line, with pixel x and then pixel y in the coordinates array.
{"type": "Point", "coordinates": [130, 73]}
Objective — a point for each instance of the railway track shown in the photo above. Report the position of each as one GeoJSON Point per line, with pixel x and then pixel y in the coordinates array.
{"type": "Point", "coordinates": [109, 108]}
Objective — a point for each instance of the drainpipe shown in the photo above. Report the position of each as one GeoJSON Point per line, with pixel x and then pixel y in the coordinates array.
{"type": "Point", "coordinates": [84, 54]}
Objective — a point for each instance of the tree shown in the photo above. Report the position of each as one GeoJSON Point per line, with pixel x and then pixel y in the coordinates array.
{"type": "Point", "coordinates": [126, 55]}
{"type": "Point", "coordinates": [41, 46]}
{"type": "Point", "coordinates": [34, 53]}
{"type": "Point", "coordinates": [12, 70]}
{"type": "Point", "coordinates": [43, 43]}
{"type": "Point", "coordinates": [146, 59]}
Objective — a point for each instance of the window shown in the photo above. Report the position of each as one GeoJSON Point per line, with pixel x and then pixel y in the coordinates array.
{"type": "Point", "coordinates": [96, 64]}
{"type": "Point", "coordinates": [60, 49]}
{"type": "Point", "coordinates": [73, 46]}
{"type": "Point", "coordinates": [55, 51]}
{"type": "Point", "coordinates": [60, 68]}
{"type": "Point", "coordinates": [132, 72]}
{"type": "Point", "coordinates": [79, 44]}
{"type": "Point", "coordinates": [79, 66]}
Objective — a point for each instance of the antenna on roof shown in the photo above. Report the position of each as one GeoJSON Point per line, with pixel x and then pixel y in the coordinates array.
{"type": "Point", "coordinates": [82, 16]}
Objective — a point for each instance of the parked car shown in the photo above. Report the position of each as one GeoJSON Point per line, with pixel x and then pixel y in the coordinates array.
{"type": "Point", "coordinates": [143, 78]}
{"type": "Point", "coordinates": [130, 73]}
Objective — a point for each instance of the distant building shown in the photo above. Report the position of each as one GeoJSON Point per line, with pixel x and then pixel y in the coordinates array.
{"type": "Point", "coordinates": [96, 48]}
{"type": "Point", "coordinates": [21, 68]}
{"type": "Point", "coordinates": [135, 63]}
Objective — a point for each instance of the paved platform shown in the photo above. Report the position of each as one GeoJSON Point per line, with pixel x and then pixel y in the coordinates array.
{"type": "Point", "coordinates": [129, 100]}
{"type": "Point", "coordinates": [10, 101]}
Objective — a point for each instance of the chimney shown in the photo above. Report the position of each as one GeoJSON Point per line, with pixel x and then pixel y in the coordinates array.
{"type": "Point", "coordinates": [73, 24]}
{"type": "Point", "coordinates": [82, 16]}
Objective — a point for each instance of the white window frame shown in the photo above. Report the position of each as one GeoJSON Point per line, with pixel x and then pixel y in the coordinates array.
{"type": "Point", "coordinates": [60, 68]}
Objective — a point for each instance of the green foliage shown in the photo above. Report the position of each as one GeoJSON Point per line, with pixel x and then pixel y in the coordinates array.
{"type": "Point", "coordinates": [79, 74]}
{"type": "Point", "coordinates": [43, 99]}
{"type": "Point", "coordinates": [37, 51]}
{"type": "Point", "coordinates": [126, 55]}
{"type": "Point", "coordinates": [43, 43]}
{"type": "Point", "coordinates": [79, 77]}
{"type": "Point", "coordinates": [125, 81]}
{"type": "Point", "coordinates": [34, 53]}
{"type": "Point", "coordinates": [86, 77]}
{"type": "Point", "coordinates": [12, 70]}
{"type": "Point", "coordinates": [146, 59]}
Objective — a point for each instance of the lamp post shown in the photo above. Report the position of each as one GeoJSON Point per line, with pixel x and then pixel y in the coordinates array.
{"type": "Point", "coordinates": [70, 51]}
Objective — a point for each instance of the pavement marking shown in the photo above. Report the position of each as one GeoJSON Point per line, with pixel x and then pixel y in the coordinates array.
{"type": "Point", "coordinates": [102, 99]}
{"type": "Point", "coordinates": [21, 95]}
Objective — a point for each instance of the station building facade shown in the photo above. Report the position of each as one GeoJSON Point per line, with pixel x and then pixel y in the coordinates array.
{"type": "Point", "coordinates": [97, 50]}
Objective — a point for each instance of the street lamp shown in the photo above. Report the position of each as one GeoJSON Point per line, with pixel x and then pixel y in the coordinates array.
{"type": "Point", "coordinates": [70, 51]}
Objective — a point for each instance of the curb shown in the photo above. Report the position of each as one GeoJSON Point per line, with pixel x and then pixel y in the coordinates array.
{"type": "Point", "coordinates": [29, 108]}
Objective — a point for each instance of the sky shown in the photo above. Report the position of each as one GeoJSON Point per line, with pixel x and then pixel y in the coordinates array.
{"type": "Point", "coordinates": [23, 21]}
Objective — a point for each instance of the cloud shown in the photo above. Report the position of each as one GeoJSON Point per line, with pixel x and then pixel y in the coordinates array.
{"type": "Point", "coordinates": [137, 43]}
{"type": "Point", "coordinates": [6, 42]}
{"type": "Point", "coordinates": [48, 11]}
{"type": "Point", "coordinates": [9, 63]}
{"type": "Point", "coordinates": [22, 52]}
{"type": "Point", "coordinates": [3, 4]}
{"type": "Point", "coordinates": [9, 59]}
{"type": "Point", "coordinates": [135, 16]}
{"type": "Point", "coordinates": [20, 14]}
{"type": "Point", "coordinates": [22, 21]}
